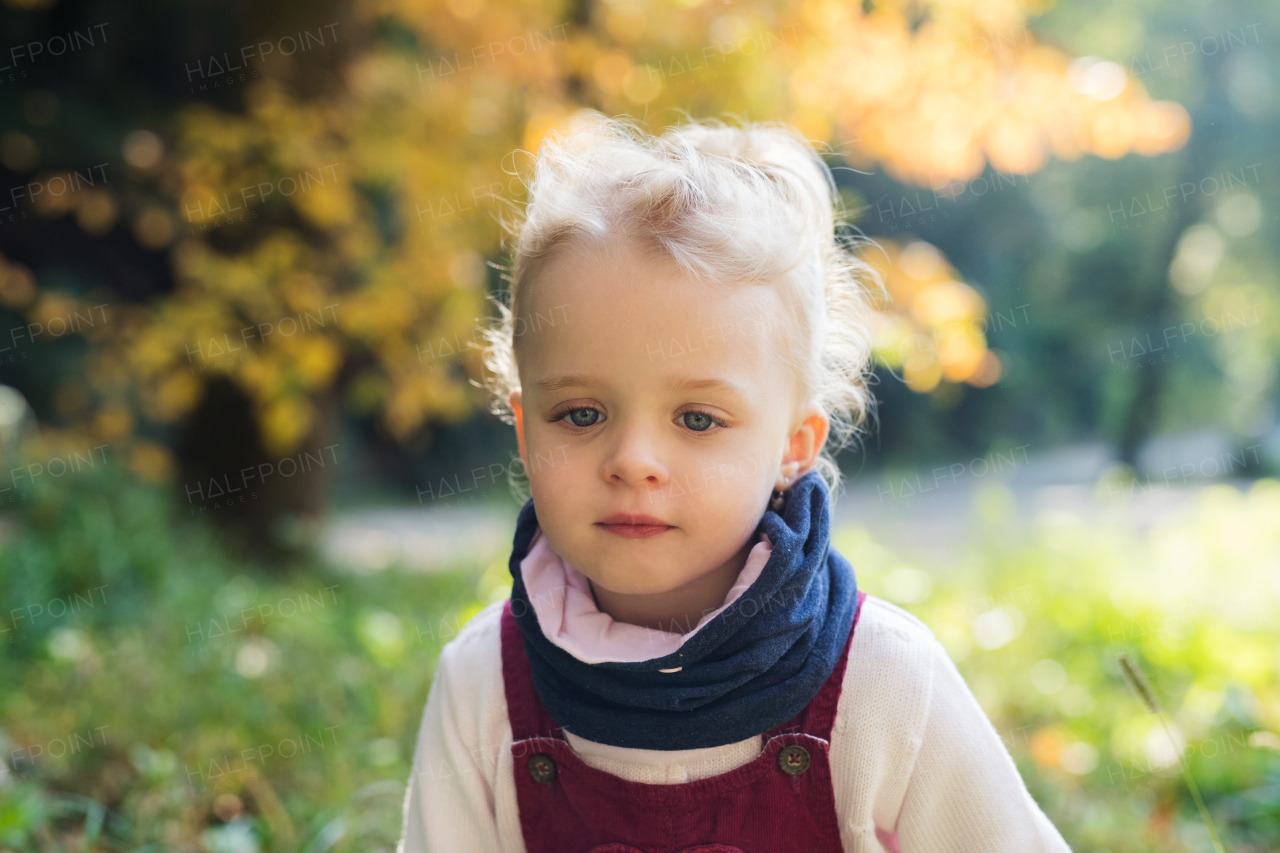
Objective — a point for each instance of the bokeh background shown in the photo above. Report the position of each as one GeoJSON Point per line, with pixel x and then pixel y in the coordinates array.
{"type": "Point", "coordinates": [250, 485]}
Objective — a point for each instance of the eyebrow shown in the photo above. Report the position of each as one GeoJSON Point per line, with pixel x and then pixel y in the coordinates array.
{"type": "Point", "coordinates": [559, 383]}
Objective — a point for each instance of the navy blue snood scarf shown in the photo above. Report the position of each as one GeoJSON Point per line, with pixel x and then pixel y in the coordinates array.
{"type": "Point", "coordinates": [754, 666]}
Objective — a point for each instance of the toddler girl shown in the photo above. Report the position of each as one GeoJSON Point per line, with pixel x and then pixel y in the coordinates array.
{"type": "Point", "coordinates": [685, 663]}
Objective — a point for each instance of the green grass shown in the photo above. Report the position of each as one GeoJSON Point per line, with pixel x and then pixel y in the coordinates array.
{"type": "Point", "coordinates": [178, 660]}
{"type": "Point", "coordinates": [1036, 615]}
{"type": "Point", "coordinates": [132, 725]}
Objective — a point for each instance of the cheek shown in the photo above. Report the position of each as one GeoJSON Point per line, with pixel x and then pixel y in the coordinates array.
{"type": "Point", "coordinates": [549, 457]}
{"type": "Point", "coordinates": [727, 478]}
{"type": "Point", "coordinates": [742, 458]}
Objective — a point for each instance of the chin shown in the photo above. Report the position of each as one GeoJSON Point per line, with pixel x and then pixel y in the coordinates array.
{"type": "Point", "coordinates": [631, 586]}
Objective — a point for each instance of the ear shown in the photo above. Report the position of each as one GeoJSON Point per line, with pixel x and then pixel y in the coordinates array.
{"type": "Point", "coordinates": [804, 445]}
{"type": "Point", "coordinates": [518, 411]}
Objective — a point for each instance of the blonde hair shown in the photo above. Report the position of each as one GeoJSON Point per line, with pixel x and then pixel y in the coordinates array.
{"type": "Point", "coordinates": [728, 205]}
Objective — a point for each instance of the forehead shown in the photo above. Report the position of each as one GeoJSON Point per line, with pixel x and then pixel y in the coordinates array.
{"type": "Point", "coordinates": [636, 313]}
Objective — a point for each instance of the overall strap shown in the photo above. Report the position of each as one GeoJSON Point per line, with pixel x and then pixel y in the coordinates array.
{"type": "Point", "coordinates": [819, 716]}
{"type": "Point", "coordinates": [524, 708]}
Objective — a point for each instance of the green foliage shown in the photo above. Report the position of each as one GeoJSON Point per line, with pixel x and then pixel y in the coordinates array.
{"type": "Point", "coordinates": [180, 687]}
{"type": "Point", "coordinates": [1036, 614]}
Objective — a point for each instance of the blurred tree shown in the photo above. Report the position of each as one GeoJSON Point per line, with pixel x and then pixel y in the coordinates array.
{"type": "Point", "coordinates": [1110, 256]}
{"type": "Point", "coordinates": [323, 180]}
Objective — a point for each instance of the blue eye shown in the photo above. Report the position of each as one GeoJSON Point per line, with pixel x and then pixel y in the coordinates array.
{"type": "Point", "coordinates": [583, 417]}
{"type": "Point", "coordinates": [698, 421]}
{"type": "Point", "coordinates": [576, 418]}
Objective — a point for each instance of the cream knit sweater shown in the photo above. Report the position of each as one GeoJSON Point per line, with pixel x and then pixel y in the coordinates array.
{"type": "Point", "coordinates": [916, 765]}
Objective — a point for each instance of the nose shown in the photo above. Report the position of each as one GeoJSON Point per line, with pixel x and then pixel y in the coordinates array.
{"type": "Point", "coordinates": [634, 458]}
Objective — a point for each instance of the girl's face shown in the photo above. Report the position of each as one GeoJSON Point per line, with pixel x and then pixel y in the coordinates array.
{"type": "Point", "coordinates": [647, 394]}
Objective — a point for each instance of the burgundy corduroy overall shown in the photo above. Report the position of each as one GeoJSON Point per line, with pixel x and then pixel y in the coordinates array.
{"type": "Point", "coordinates": [781, 802]}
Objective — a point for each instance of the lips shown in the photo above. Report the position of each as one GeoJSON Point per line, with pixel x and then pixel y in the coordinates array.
{"type": "Point", "coordinates": [633, 518]}
{"type": "Point", "coordinates": [634, 526]}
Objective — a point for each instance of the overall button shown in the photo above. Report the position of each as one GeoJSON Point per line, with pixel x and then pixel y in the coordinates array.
{"type": "Point", "coordinates": [793, 760]}
{"type": "Point", "coordinates": [543, 768]}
